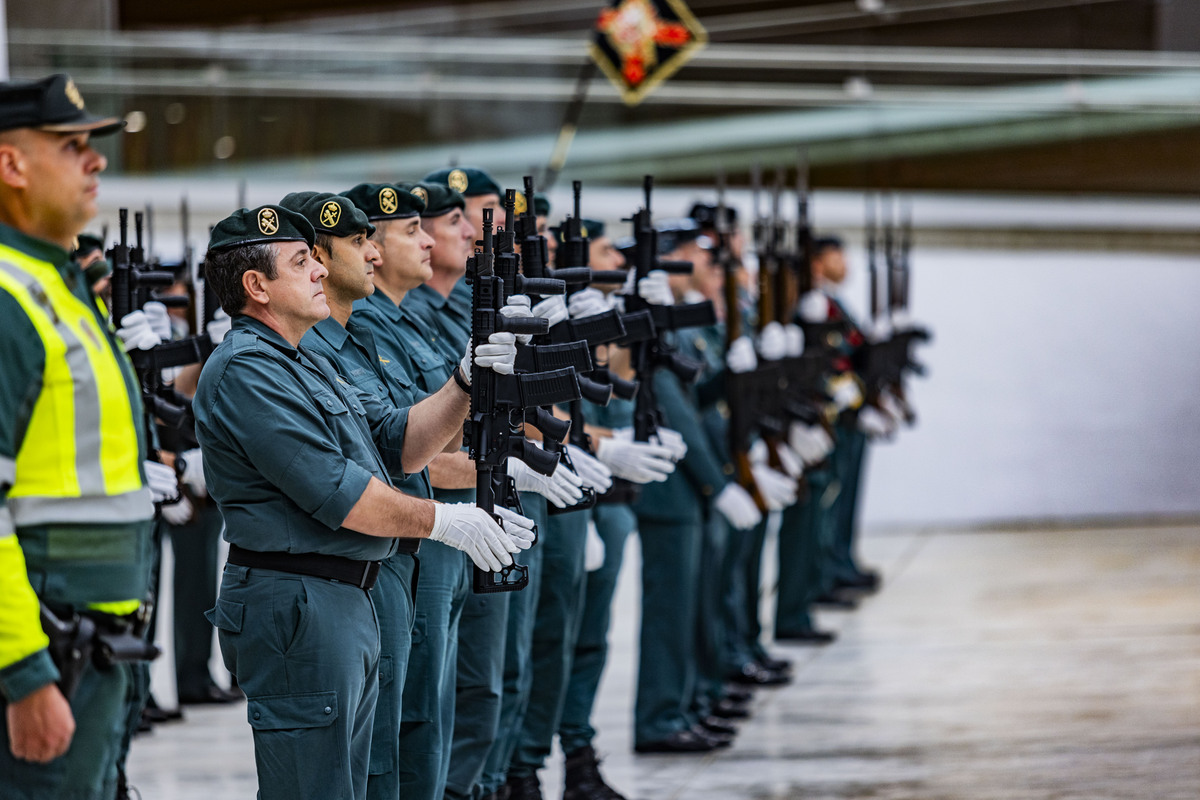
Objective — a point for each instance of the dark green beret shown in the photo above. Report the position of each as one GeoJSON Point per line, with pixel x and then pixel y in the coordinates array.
{"type": "Point", "coordinates": [51, 104]}
{"type": "Point", "coordinates": [541, 205]}
{"type": "Point", "coordinates": [439, 198]}
{"type": "Point", "coordinates": [86, 243]}
{"type": "Point", "coordinates": [383, 201]}
{"type": "Point", "coordinates": [469, 181]}
{"type": "Point", "coordinates": [261, 225]}
{"type": "Point", "coordinates": [589, 228]}
{"type": "Point", "coordinates": [329, 213]}
{"type": "Point", "coordinates": [675, 233]}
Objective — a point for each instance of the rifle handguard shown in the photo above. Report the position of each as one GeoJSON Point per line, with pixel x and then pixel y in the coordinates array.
{"type": "Point", "coordinates": [571, 276]}
{"type": "Point", "coordinates": [674, 267]}
{"type": "Point", "coordinates": [539, 286]}
{"type": "Point", "coordinates": [607, 277]}
{"type": "Point", "coordinates": [533, 326]}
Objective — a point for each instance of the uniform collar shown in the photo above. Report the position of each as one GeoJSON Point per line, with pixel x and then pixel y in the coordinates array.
{"type": "Point", "coordinates": [381, 302]}
{"type": "Point", "coordinates": [332, 331]}
{"type": "Point", "coordinates": [34, 247]}
{"type": "Point", "coordinates": [430, 296]}
{"type": "Point", "coordinates": [242, 322]}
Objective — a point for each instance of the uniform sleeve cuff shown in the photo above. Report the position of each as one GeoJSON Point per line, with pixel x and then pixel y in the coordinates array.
{"type": "Point", "coordinates": [27, 676]}
{"type": "Point", "coordinates": [336, 508]}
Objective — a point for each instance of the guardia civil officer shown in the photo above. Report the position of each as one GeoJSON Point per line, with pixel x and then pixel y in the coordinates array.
{"type": "Point", "coordinates": [76, 509]}
{"type": "Point", "coordinates": [299, 461]}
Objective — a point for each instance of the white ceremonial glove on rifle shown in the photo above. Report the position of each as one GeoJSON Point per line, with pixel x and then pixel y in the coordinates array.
{"type": "Point", "coordinates": [497, 354]}
{"type": "Point", "coordinates": [220, 325]}
{"type": "Point", "coordinates": [638, 462]}
{"type": "Point", "coordinates": [590, 469]}
{"type": "Point", "coordinates": [136, 332]}
{"type": "Point", "coordinates": [740, 356]}
{"type": "Point", "coordinates": [191, 474]}
{"type": "Point", "coordinates": [588, 303]}
{"type": "Point", "coordinates": [814, 307]}
{"type": "Point", "coordinates": [772, 344]}
{"type": "Point", "coordinates": [794, 339]}
{"type": "Point", "coordinates": [777, 489]}
{"type": "Point", "coordinates": [655, 288]}
{"type": "Point", "coordinates": [164, 486]}
{"type": "Point", "coordinates": [563, 488]}
{"type": "Point", "coordinates": [792, 463]}
{"type": "Point", "coordinates": [593, 549]}
{"type": "Point", "coordinates": [518, 306]}
{"type": "Point", "coordinates": [670, 439]}
{"type": "Point", "coordinates": [811, 442]}
{"type": "Point", "coordinates": [737, 506]}
{"type": "Point", "coordinates": [553, 309]}
{"type": "Point", "coordinates": [874, 423]}
{"type": "Point", "coordinates": [470, 529]}
{"type": "Point", "coordinates": [178, 513]}
{"type": "Point", "coordinates": [159, 319]}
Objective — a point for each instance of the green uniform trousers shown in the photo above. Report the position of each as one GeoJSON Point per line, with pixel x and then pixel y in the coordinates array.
{"type": "Point", "coordinates": [427, 714]}
{"type": "Point", "coordinates": [712, 591]}
{"type": "Point", "coordinates": [667, 656]}
{"type": "Point", "coordinates": [742, 575]}
{"type": "Point", "coordinates": [394, 596]}
{"type": "Point", "coordinates": [804, 539]}
{"type": "Point", "coordinates": [614, 523]}
{"type": "Point", "coordinates": [306, 653]}
{"type": "Point", "coordinates": [88, 769]}
{"type": "Point", "coordinates": [849, 457]}
{"type": "Point", "coordinates": [559, 605]}
{"type": "Point", "coordinates": [195, 591]}
{"type": "Point", "coordinates": [518, 674]}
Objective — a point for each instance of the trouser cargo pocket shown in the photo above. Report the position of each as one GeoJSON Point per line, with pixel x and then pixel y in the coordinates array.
{"type": "Point", "coordinates": [298, 746]}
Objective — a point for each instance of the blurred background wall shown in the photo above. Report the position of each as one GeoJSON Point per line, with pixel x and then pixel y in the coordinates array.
{"type": "Point", "coordinates": [1047, 148]}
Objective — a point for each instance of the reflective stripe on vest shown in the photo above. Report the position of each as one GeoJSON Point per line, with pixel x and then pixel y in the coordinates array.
{"type": "Point", "coordinates": [81, 445]}
{"type": "Point", "coordinates": [6, 523]}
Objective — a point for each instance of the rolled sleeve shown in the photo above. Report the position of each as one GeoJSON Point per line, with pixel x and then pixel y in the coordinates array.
{"type": "Point", "coordinates": [333, 512]}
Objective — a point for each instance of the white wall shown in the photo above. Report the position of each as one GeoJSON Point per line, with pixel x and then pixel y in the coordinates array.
{"type": "Point", "coordinates": [1061, 384]}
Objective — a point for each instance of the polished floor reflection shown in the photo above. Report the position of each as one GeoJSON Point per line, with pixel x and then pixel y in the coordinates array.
{"type": "Point", "coordinates": [994, 665]}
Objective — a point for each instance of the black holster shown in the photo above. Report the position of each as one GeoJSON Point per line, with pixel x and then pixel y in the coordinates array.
{"type": "Point", "coordinates": [102, 639]}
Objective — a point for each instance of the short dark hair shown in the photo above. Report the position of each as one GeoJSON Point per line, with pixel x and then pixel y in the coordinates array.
{"type": "Point", "coordinates": [821, 244]}
{"type": "Point", "coordinates": [224, 269]}
{"type": "Point", "coordinates": [324, 241]}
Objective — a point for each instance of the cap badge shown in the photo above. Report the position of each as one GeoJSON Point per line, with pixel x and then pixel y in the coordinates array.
{"type": "Point", "coordinates": [72, 93]}
{"type": "Point", "coordinates": [268, 221]}
{"type": "Point", "coordinates": [331, 212]}
{"type": "Point", "coordinates": [388, 202]}
{"type": "Point", "coordinates": [457, 180]}
{"type": "Point", "coordinates": [419, 191]}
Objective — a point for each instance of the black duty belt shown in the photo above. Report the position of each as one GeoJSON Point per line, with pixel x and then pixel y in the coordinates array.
{"type": "Point", "coordinates": [334, 568]}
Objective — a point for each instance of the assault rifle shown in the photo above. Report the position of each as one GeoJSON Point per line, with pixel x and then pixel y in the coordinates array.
{"type": "Point", "coordinates": [502, 404]}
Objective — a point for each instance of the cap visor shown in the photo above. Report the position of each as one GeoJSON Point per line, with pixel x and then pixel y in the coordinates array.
{"type": "Point", "coordinates": [97, 126]}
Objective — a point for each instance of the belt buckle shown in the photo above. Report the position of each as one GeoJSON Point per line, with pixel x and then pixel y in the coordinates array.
{"type": "Point", "coordinates": [370, 570]}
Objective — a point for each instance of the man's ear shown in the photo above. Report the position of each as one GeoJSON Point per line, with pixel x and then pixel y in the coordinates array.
{"type": "Point", "coordinates": [320, 255]}
{"type": "Point", "coordinates": [254, 283]}
{"type": "Point", "coordinates": [14, 166]}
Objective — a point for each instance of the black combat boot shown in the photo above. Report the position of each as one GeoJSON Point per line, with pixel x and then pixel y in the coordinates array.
{"type": "Point", "coordinates": [582, 779]}
{"type": "Point", "coordinates": [523, 787]}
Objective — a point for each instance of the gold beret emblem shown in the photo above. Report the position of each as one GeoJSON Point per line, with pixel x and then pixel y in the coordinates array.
{"type": "Point", "coordinates": [331, 212]}
{"type": "Point", "coordinates": [419, 191]}
{"type": "Point", "coordinates": [72, 93]}
{"type": "Point", "coordinates": [520, 206]}
{"type": "Point", "coordinates": [457, 180]}
{"type": "Point", "coordinates": [268, 221]}
{"type": "Point", "coordinates": [388, 202]}
{"type": "Point", "coordinates": [583, 232]}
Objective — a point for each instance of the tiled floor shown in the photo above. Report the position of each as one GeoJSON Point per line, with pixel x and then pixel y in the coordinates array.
{"type": "Point", "coordinates": [993, 666]}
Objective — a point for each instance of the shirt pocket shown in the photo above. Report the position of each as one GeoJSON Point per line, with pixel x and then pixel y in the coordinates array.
{"type": "Point", "coordinates": [330, 403]}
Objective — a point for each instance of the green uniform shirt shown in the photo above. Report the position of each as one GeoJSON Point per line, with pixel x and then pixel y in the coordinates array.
{"type": "Point", "coordinates": [398, 333]}
{"type": "Point", "coordinates": [447, 320]}
{"type": "Point", "coordinates": [289, 448]}
{"type": "Point", "coordinates": [353, 354]}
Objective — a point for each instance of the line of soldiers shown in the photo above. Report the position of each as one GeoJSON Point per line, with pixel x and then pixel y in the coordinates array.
{"type": "Point", "coordinates": [363, 609]}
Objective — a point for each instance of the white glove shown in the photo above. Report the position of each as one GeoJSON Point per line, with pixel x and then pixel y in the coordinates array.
{"type": "Point", "coordinates": [846, 393]}
{"type": "Point", "coordinates": [520, 528]}
{"type": "Point", "coordinates": [875, 423]}
{"type": "Point", "coordinates": [740, 356]}
{"type": "Point", "coordinates": [164, 486]}
{"type": "Point", "coordinates": [811, 442]}
{"type": "Point", "coordinates": [794, 337]}
{"type": "Point", "coordinates": [772, 344]}
{"type": "Point", "coordinates": [498, 355]}
{"type": "Point", "coordinates": [553, 309]}
{"type": "Point", "coordinates": [178, 513]}
{"type": "Point", "coordinates": [590, 469]}
{"type": "Point", "coordinates": [136, 332]}
{"type": "Point", "coordinates": [193, 471]}
{"type": "Point", "coordinates": [588, 303]}
{"type": "Point", "coordinates": [655, 289]}
{"type": "Point", "coordinates": [901, 320]}
{"type": "Point", "coordinates": [881, 330]}
{"type": "Point", "coordinates": [639, 462]}
{"type": "Point", "coordinates": [777, 489]}
{"type": "Point", "coordinates": [814, 307]}
{"type": "Point", "coordinates": [159, 319]}
{"type": "Point", "coordinates": [737, 506]}
{"type": "Point", "coordinates": [469, 528]}
{"type": "Point", "coordinates": [220, 325]}
{"type": "Point", "coordinates": [790, 460]}
{"type": "Point", "coordinates": [672, 440]}
{"type": "Point", "coordinates": [593, 549]}
{"type": "Point", "coordinates": [518, 306]}
{"type": "Point", "coordinates": [564, 488]}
